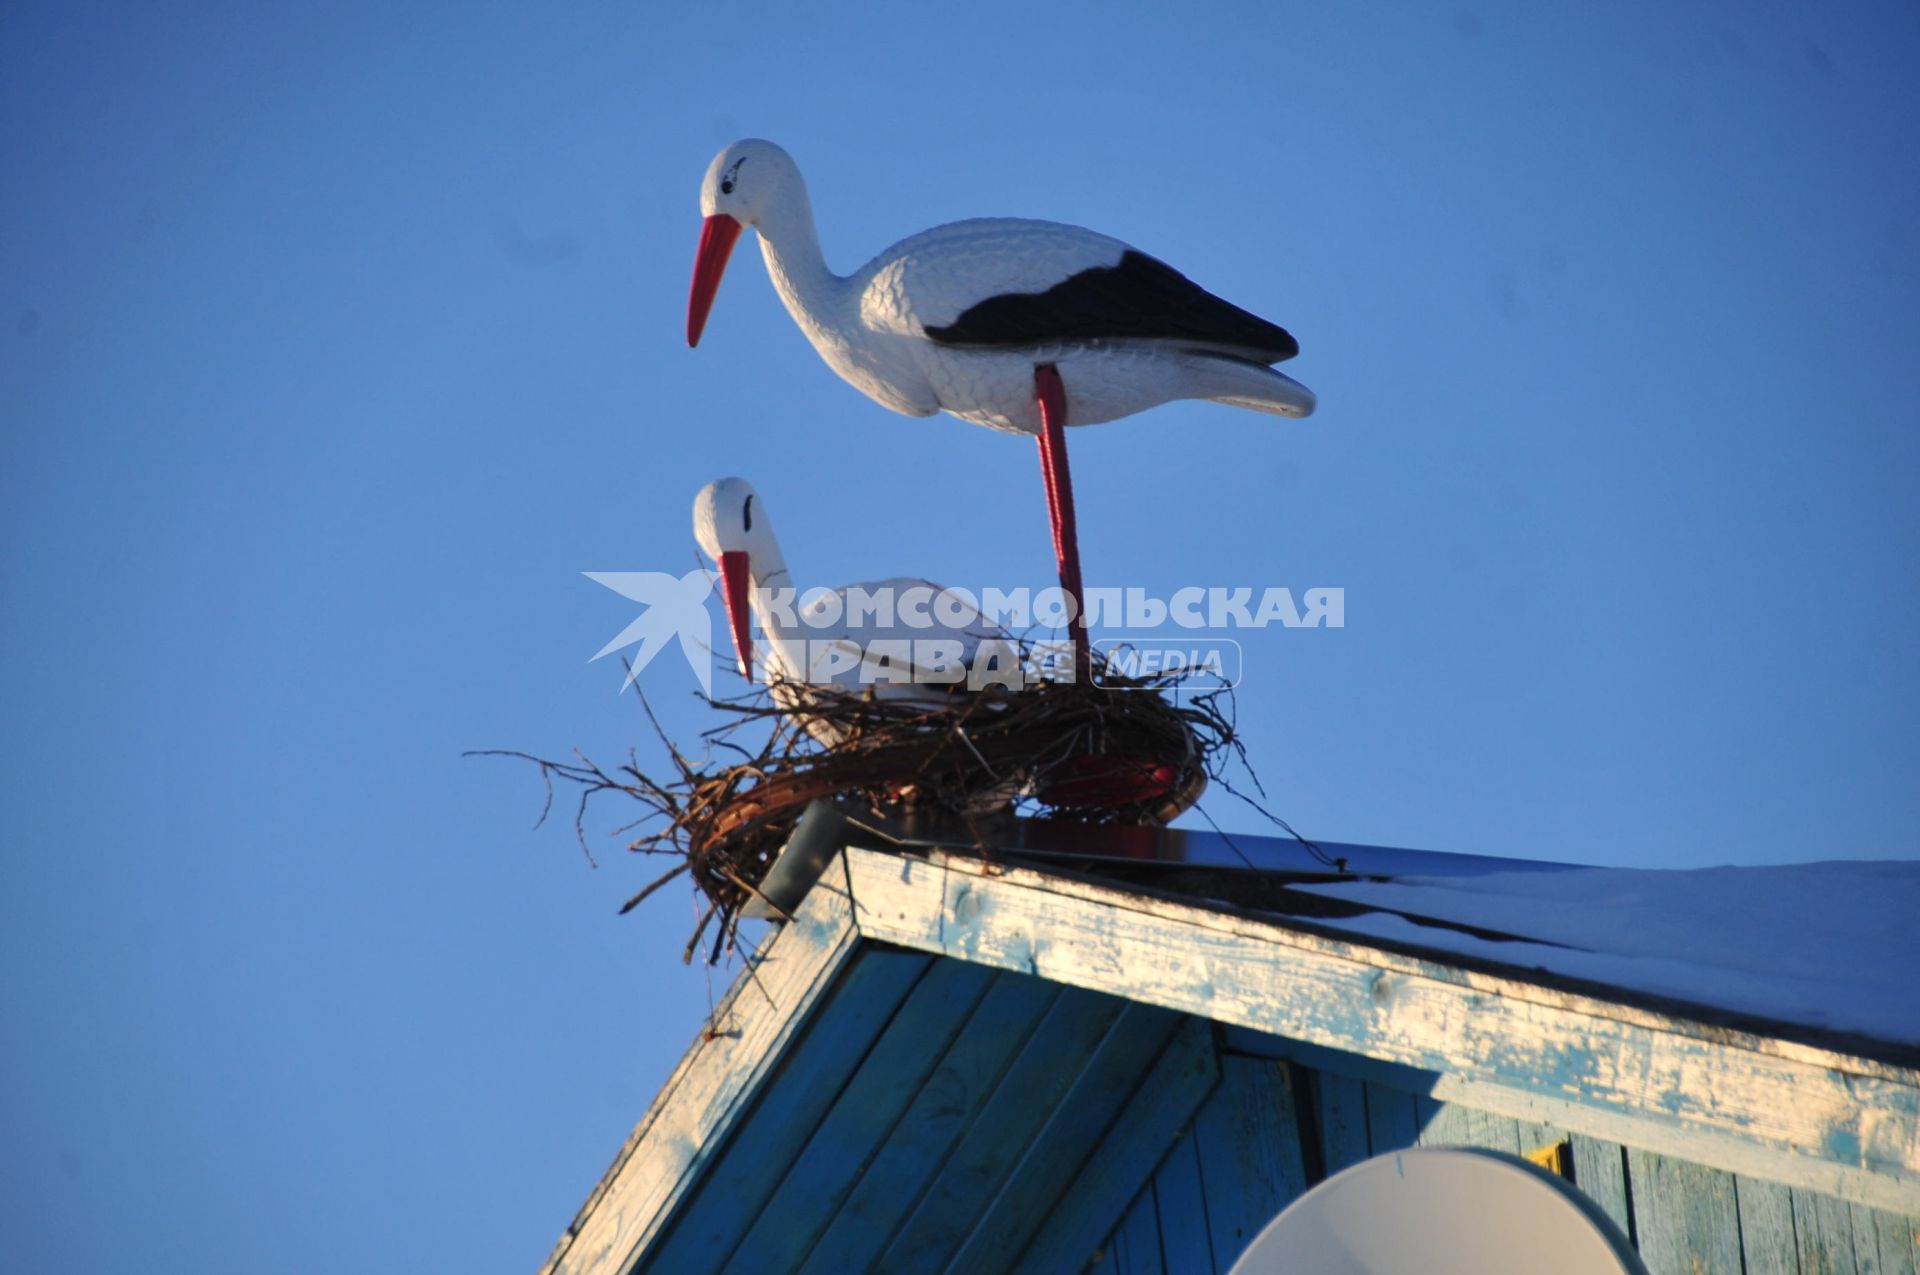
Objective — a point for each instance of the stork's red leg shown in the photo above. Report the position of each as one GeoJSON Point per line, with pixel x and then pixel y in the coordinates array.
{"type": "Point", "coordinates": [1052, 396]}
{"type": "Point", "coordinates": [1053, 493]}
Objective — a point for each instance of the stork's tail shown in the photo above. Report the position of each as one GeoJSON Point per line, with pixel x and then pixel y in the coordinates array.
{"type": "Point", "coordinates": [1244, 383]}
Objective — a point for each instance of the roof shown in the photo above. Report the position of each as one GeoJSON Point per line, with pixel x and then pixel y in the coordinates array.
{"type": "Point", "coordinates": [843, 1000]}
{"type": "Point", "coordinates": [1828, 946]}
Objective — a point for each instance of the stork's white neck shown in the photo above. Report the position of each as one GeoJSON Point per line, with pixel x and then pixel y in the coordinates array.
{"type": "Point", "coordinates": [791, 246]}
{"type": "Point", "coordinates": [766, 569]}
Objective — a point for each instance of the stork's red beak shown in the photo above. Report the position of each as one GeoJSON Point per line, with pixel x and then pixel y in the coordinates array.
{"type": "Point", "coordinates": [736, 582]}
{"type": "Point", "coordinates": [716, 243]}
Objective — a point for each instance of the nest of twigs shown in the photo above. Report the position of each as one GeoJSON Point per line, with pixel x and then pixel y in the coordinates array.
{"type": "Point", "coordinates": [1105, 749]}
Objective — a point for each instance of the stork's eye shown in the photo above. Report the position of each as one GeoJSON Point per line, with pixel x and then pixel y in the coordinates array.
{"type": "Point", "coordinates": [733, 175]}
{"type": "Point", "coordinates": [746, 512]}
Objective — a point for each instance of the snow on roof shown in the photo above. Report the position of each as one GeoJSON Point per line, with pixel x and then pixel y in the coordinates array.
{"type": "Point", "coordinates": [1830, 945]}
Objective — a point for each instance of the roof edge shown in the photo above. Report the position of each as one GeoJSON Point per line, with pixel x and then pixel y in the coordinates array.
{"type": "Point", "coordinates": [1776, 1109]}
{"type": "Point", "coordinates": [765, 1008]}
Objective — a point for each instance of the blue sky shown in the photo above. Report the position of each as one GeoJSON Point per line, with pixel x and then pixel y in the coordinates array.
{"type": "Point", "coordinates": [336, 343]}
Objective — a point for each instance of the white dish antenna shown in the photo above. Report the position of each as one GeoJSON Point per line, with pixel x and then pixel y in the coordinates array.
{"type": "Point", "coordinates": [1440, 1211]}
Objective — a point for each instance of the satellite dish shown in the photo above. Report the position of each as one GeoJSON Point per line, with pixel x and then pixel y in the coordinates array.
{"type": "Point", "coordinates": [1440, 1211]}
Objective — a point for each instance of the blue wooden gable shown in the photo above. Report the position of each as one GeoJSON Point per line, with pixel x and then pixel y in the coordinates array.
{"type": "Point", "coordinates": [952, 1067]}
{"type": "Point", "coordinates": [938, 1115]}
{"type": "Point", "coordinates": [1275, 1125]}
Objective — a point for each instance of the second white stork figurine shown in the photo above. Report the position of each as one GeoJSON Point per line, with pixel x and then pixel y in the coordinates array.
{"type": "Point", "coordinates": [820, 648]}
{"type": "Point", "coordinates": [1025, 326]}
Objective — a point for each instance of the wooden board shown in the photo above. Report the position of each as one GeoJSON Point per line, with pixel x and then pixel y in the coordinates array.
{"type": "Point", "coordinates": [1248, 1143]}
{"type": "Point", "coordinates": [884, 1085]}
{"type": "Point", "coordinates": [1050, 1158]}
{"type": "Point", "coordinates": [1180, 1201]}
{"type": "Point", "coordinates": [1076, 1027]}
{"type": "Point", "coordinates": [1844, 1126]}
{"type": "Point", "coordinates": [1393, 1119]}
{"type": "Point", "coordinates": [939, 1116]}
{"type": "Point", "coordinates": [1134, 1246]}
{"type": "Point", "coordinates": [749, 1167]}
{"type": "Point", "coordinates": [1899, 1243]}
{"type": "Point", "coordinates": [1600, 1172]}
{"type": "Point", "coordinates": [1685, 1216]}
{"type": "Point", "coordinates": [1824, 1228]}
{"type": "Point", "coordinates": [1340, 1110]}
{"type": "Point", "coordinates": [1135, 1141]}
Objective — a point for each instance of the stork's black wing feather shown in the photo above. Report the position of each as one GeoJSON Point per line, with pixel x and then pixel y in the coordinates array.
{"type": "Point", "coordinates": [1139, 299]}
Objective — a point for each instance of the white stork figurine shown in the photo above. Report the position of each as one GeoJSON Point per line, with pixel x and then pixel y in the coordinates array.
{"type": "Point", "coordinates": [731, 525]}
{"type": "Point", "coordinates": [1024, 326]}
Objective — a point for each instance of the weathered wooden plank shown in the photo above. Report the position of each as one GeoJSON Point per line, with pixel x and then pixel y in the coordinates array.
{"type": "Point", "coordinates": [1057, 1152]}
{"type": "Point", "coordinates": [1202, 913]}
{"type": "Point", "coordinates": [880, 1091]}
{"type": "Point", "coordinates": [1866, 1240]}
{"type": "Point", "coordinates": [1685, 1218]}
{"type": "Point", "coordinates": [1340, 1104]}
{"type": "Point", "coordinates": [1846, 1126]}
{"type": "Point", "coordinates": [748, 1167]}
{"type": "Point", "coordinates": [1766, 1227]}
{"type": "Point", "coordinates": [1824, 1228]}
{"type": "Point", "coordinates": [938, 1116]}
{"type": "Point", "coordinates": [758, 1018]}
{"type": "Point", "coordinates": [1134, 1246]}
{"type": "Point", "coordinates": [1493, 1131]}
{"type": "Point", "coordinates": [1899, 1242]}
{"type": "Point", "coordinates": [1248, 1141]}
{"type": "Point", "coordinates": [1181, 1195]}
{"type": "Point", "coordinates": [1135, 1139]}
{"type": "Point", "coordinates": [1600, 1171]}
{"type": "Point", "coordinates": [1074, 1032]}
{"type": "Point", "coordinates": [1392, 1122]}
{"type": "Point", "coordinates": [1443, 1124]}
